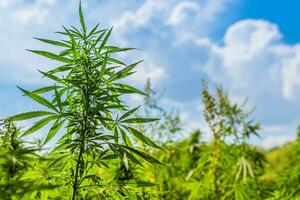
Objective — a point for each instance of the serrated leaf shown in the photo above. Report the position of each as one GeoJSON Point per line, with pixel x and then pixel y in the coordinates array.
{"type": "Point", "coordinates": [134, 159]}
{"type": "Point", "coordinates": [60, 69]}
{"type": "Point", "coordinates": [74, 44]}
{"type": "Point", "coordinates": [141, 154]}
{"type": "Point", "coordinates": [142, 137]}
{"type": "Point", "coordinates": [29, 115]}
{"type": "Point", "coordinates": [53, 77]}
{"type": "Point", "coordinates": [54, 130]}
{"type": "Point", "coordinates": [116, 135]}
{"type": "Point", "coordinates": [53, 42]}
{"type": "Point", "coordinates": [56, 161]}
{"type": "Point", "coordinates": [44, 89]}
{"type": "Point", "coordinates": [103, 67]}
{"type": "Point", "coordinates": [125, 138]}
{"type": "Point", "coordinates": [111, 49]}
{"type": "Point", "coordinates": [76, 32]}
{"type": "Point", "coordinates": [51, 56]}
{"type": "Point", "coordinates": [104, 41]}
{"type": "Point", "coordinates": [93, 30]}
{"type": "Point", "coordinates": [112, 60]}
{"type": "Point", "coordinates": [39, 99]}
{"type": "Point", "coordinates": [142, 184]}
{"type": "Point", "coordinates": [58, 100]}
{"type": "Point", "coordinates": [127, 114]}
{"type": "Point", "coordinates": [125, 71]}
{"type": "Point", "coordinates": [82, 22]}
{"type": "Point", "coordinates": [97, 40]}
{"type": "Point", "coordinates": [126, 89]}
{"type": "Point", "coordinates": [139, 120]}
{"type": "Point", "coordinates": [38, 125]}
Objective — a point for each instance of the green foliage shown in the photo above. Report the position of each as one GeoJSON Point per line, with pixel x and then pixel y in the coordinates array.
{"type": "Point", "coordinates": [17, 162]}
{"type": "Point", "coordinates": [167, 129]}
{"type": "Point", "coordinates": [288, 186]}
{"type": "Point", "coordinates": [100, 148]}
{"type": "Point", "coordinates": [232, 168]}
{"type": "Point", "coordinates": [86, 110]}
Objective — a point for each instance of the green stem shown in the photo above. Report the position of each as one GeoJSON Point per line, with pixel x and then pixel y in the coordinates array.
{"type": "Point", "coordinates": [216, 164]}
{"type": "Point", "coordinates": [75, 183]}
{"type": "Point", "coordinates": [86, 95]}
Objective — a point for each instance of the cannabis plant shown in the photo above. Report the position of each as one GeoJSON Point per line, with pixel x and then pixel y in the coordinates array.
{"type": "Point", "coordinates": [228, 167]}
{"type": "Point", "coordinates": [90, 122]}
{"type": "Point", "coordinates": [167, 129]}
{"type": "Point", "coordinates": [163, 132]}
{"type": "Point", "coordinates": [288, 183]}
{"type": "Point", "coordinates": [16, 164]}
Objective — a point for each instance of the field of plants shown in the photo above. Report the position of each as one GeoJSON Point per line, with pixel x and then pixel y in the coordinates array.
{"type": "Point", "coordinates": [105, 149]}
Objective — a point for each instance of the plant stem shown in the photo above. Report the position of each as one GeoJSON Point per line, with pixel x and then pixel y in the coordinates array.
{"type": "Point", "coordinates": [75, 183]}
{"type": "Point", "coordinates": [86, 112]}
{"type": "Point", "coordinates": [216, 164]}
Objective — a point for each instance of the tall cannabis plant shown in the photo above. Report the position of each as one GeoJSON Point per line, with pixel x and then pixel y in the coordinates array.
{"type": "Point", "coordinates": [86, 107]}
{"type": "Point", "coordinates": [168, 127]}
{"type": "Point", "coordinates": [228, 166]}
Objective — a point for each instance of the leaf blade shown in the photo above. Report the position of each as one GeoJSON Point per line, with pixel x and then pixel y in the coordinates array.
{"type": "Point", "coordinates": [29, 115]}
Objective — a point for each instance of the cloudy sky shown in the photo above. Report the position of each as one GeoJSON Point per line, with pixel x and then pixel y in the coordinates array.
{"type": "Point", "coordinates": [252, 47]}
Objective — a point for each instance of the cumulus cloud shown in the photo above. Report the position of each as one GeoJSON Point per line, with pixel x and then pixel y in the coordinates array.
{"type": "Point", "coordinates": [254, 59]}
{"type": "Point", "coordinates": [149, 69]}
{"type": "Point", "coordinates": [276, 141]}
{"type": "Point", "coordinates": [278, 134]}
{"type": "Point", "coordinates": [5, 3]}
{"type": "Point", "coordinates": [35, 13]}
{"type": "Point", "coordinates": [50, 2]}
{"type": "Point", "coordinates": [182, 19]}
{"type": "Point", "coordinates": [151, 72]}
{"type": "Point", "coordinates": [142, 15]}
{"type": "Point", "coordinates": [23, 20]}
{"type": "Point", "coordinates": [201, 12]}
{"type": "Point", "coordinates": [246, 39]}
{"type": "Point", "coordinates": [161, 27]}
{"type": "Point", "coordinates": [179, 12]}
{"type": "Point", "coordinates": [290, 74]}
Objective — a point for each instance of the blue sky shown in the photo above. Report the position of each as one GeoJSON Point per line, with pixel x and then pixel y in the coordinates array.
{"type": "Point", "coordinates": [252, 47]}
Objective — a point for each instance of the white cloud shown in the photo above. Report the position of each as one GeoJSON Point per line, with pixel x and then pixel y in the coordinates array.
{"type": "Point", "coordinates": [22, 21]}
{"type": "Point", "coordinates": [246, 39]}
{"type": "Point", "coordinates": [135, 99]}
{"type": "Point", "coordinates": [276, 141]}
{"type": "Point", "coordinates": [35, 13]}
{"type": "Point", "coordinates": [150, 68]}
{"type": "Point", "coordinates": [154, 73]}
{"type": "Point", "coordinates": [202, 12]}
{"type": "Point", "coordinates": [5, 3]}
{"type": "Point", "coordinates": [188, 124]}
{"type": "Point", "coordinates": [141, 16]}
{"type": "Point", "coordinates": [50, 2]}
{"type": "Point", "coordinates": [179, 12]}
{"type": "Point", "coordinates": [159, 26]}
{"type": "Point", "coordinates": [173, 12]}
{"type": "Point", "coordinates": [291, 74]}
{"type": "Point", "coordinates": [255, 61]}
{"type": "Point", "coordinates": [278, 128]}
